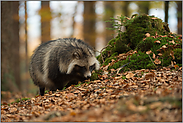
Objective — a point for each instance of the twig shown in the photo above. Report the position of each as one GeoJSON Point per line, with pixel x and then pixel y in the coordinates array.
{"type": "Point", "coordinates": [102, 50]}
{"type": "Point", "coordinates": [151, 60]}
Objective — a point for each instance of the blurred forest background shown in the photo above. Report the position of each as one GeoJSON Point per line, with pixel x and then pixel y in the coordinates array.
{"type": "Point", "coordinates": [24, 25]}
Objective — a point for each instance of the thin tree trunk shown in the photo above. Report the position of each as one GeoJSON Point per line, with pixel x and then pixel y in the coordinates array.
{"type": "Point", "coordinates": [73, 21]}
{"type": "Point", "coordinates": [109, 12]}
{"type": "Point", "coordinates": [125, 8]}
{"type": "Point", "coordinates": [45, 21]}
{"type": "Point", "coordinates": [143, 7]}
{"type": "Point", "coordinates": [89, 15]}
{"type": "Point", "coordinates": [179, 17]}
{"type": "Point", "coordinates": [166, 11]}
{"type": "Point", "coordinates": [26, 50]}
{"type": "Point", "coordinates": [10, 46]}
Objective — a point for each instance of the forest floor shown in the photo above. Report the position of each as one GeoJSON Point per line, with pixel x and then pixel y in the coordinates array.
{"type": "Point", "coordinates": [141, 95]}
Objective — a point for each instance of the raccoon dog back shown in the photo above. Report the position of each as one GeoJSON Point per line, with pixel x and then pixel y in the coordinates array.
{"type": "Point", "coordinates": [62, 62]}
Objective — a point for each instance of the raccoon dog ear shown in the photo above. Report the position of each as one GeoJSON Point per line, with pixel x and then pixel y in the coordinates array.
{"type": "Point", "coordinates": [76, 55]}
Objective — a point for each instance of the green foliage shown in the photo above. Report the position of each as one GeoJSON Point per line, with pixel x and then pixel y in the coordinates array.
{"type": "Point", "coordinates": [46, 91]}
{"type": "Point", "coordinates": [123, 77]}
{"type": "Point", "coordinates": [135, 38]}
{"type": "Point", "coordinates": [79, 84]}
{"type": "Point", "coordinates": [178, 56]}
{"type": "Point", "coordinates": [136, 28]}
{"type": "Point", "coordinates": [95, 74]}
{"type": "Point", "coordinates": [64, 88]}
{"type": "Point", "coordinates": [19, 100]}
{"type": "Point", "coordinates": [146, 45]}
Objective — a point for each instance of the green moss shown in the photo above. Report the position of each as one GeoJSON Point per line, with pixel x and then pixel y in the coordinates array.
{"type": "Point", "coordinates": [178, 55]}
{"type": "Point", "coordinates": [19, 100]}
{"type": "Point", "coordinates": [143, 24]}
{"type": "Point", "coordinates": [94, 76]}
{"type": "Point", "coordinates": [134, 38]}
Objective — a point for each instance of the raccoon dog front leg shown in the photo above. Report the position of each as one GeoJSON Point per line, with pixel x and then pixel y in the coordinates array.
{"type": "Point", "coordinates": [41, 91]}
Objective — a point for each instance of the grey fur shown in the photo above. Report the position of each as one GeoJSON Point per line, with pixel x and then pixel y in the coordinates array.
{"type": "Point", "coordinates": [61, 62]}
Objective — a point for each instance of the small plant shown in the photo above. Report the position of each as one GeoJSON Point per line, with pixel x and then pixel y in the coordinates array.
{"type": "Point", "coordinates": [19, 100]}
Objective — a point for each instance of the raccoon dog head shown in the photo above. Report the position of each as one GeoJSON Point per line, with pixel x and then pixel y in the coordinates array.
{"type": "Point", "coordinates": [83, 63]}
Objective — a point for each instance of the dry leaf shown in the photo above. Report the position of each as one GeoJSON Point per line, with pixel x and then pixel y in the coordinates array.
{"type": "Point", "coordinates": [135, 52]}
{"type": "Point", "coordinates": [69, 95]}
{"type": "Point", "coordinates": [155, 105]}
{"type": "Point", "coordinates": [160, 54]}
{"type": "Point", "coordinates": [176, 66]}
{"type": "Point", "coordinates": [132, 107]}
{"type": "Point", "coordinates": [149, 75]}
{"type": "Point", "coordinates": [172, 54]}
{"type": "Point", "coordinates": [73, 113]}
{"type": "Point", "coordinates": [141, 108]}
{"type": "Point", "coordinates": [148, 52]}
{"type": "Point", "coordinates": [147, 35]}
{"type": "Point", "coordinates": [157, 61]}
{"type": "Point", "coordinates": [157, 41]}
{"type": "Point", "coordinates": [129, 75]}
{"type": "Point", "coordinates": [13, 110]}
{"type": "Point", "coordinates": [163, 47]}
{"type": "Point", "coordinates": [154, 56]}
{"type": "Point", "coordinates": [173, 42]}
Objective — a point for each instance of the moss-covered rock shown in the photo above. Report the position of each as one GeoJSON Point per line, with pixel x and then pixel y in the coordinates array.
{"type": "Point", "coordinates": [159, 40]}
{"type": "Point", "coordinates": [136, 28]}
{"type": "Point", "coordinates": [143, 24]}
{"type": "Point", "coordinates": [178, 56]}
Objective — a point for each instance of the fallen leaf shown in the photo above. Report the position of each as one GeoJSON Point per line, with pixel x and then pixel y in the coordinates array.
{"type": "Point", "coordinates": [73, 113]}
{"type": "Point", "coordinates": [134, 52]}
{"type": "Point", "coordinates": [149, 75]}
{"type": "Point", "coordinates": [157, 61]}
{"type": "Point", "coordinates": [132, 107]}
{"type": "Point", "coordinates": [173, 42]}
{"type": "Point", "coordinates": [160, 54]}
{"type": "Point", "coordinates": [176, 66]}
{"type": "Point", "coordinates": [172, 54]}
{"type": "Point", "coordinates": [157, 41]}
{"type": "Point", "coordinates": [154, 56]}
{"type": "Point", "coordinates": [163, 47]}
{"type": "Point", "coordinates": [129, 75]}
{"type": "Point", "coordinates": [141, 108]}
{"type": "Point", "coordinates": [69, 95]}
{"type": "Point", "coordinates": [148, 52]}
{"type": "Point", "coordinates": [147, 35]}
{"type": "Point", "coordinates": [13, 110]}
{"type": "Point", "coordinates": [155, 105]}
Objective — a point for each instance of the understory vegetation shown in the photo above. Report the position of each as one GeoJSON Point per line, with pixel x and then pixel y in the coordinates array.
{"type": "Point", "coordinates": [147, 43]}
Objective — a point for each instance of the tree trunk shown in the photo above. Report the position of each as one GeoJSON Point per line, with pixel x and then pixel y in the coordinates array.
{"type": "Point", "coordinates": [73, 21]}
{"type": "Point", "coordinates": [109, 12]}
{"type": "Point", "coordinates": [89, 15]}
{"type": "Point", "coordinates": [125, 8]}
{"type": "Point", "coordinates": [10, 65]}
{"type": "Point", "coordinates": [143, 7]}
{"type": "Point", "coordinates": [179, 17]}
{"type": "Point", "coordinates": [166, 11]}
{"type": "Point", "coordinates": [45, 14]}
{"type": "Point", "coordinates": [26, 50]}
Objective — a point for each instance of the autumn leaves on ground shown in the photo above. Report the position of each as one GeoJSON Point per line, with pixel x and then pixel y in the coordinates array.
{"type": "Point", "coordinates": [140, 95]}
{"type": "Point", "coordinates": [121, 90]}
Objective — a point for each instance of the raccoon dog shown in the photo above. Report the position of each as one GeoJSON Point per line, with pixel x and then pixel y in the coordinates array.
{"type": "Point", "coordinates": [62, 62]}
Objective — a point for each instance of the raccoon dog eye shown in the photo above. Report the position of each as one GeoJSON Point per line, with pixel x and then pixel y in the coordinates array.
{"type": "Point", "coordinates": [77, 67]}
{"type": "Point", "coordinates": [92, 67]}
